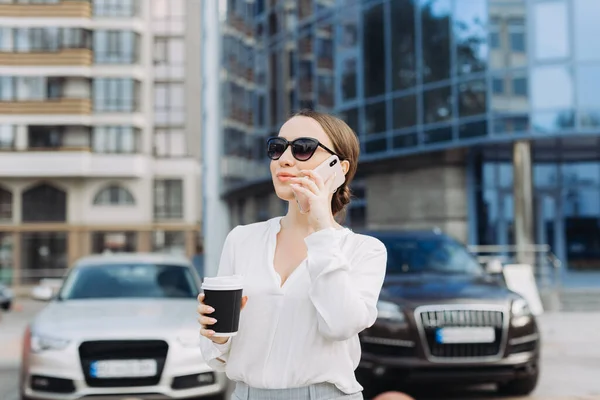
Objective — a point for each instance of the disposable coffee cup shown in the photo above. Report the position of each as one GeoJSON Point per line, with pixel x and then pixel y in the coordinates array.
{"type": "Point", "coordinates": [224, 294]}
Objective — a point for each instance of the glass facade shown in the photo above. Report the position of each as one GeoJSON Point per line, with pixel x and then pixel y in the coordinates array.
{"type": "Point", "coordinates": [412, 76]}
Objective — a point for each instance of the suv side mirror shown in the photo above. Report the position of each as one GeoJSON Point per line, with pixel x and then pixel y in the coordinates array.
{"type": "Point", "coordinates": [42, 293]}
{"type": "Point", "coordinates": [493, 266]}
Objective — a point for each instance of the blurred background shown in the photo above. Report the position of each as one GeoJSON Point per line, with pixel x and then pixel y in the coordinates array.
{"type": "Point", "coordinates": [140, 126]}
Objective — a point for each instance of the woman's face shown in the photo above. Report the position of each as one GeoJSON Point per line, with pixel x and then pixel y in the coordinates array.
{"type": "Point", "coordinates": [287, 166]}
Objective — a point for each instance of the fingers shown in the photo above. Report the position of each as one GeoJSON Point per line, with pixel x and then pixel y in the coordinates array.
{"type": "Point", "coordinates": [307, 183]}
{"type": "Point", "coordinates": [203, 309]}
{"type": "Point", "coordinates": [207, 333]}
{"type": "Point", "coordinates": [201, 298]}
{"type": "Point", "coordinates": [204, 321]}
{"type": "Point", "coordinates": [318, 180]}
{"type": "Point", "coordinates": [301, 190]}
{"type": "Point", "coordinates": [244, 301]}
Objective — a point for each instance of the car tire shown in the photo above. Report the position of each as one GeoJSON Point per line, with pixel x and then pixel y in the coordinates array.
{"type": "Point", "coordinates": [519, 387]}
{"type": "Point", "coordinates": [6, 306]}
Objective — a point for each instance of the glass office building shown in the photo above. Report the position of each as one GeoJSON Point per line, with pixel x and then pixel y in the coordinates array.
{"type": "Point", "coordinates": [439, 92]}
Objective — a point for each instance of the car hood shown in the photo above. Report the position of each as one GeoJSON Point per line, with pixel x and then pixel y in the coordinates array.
{"type": "Point", "coordinates": [137, 318]}
{"type": "Point", "coordinates": [419, 289]}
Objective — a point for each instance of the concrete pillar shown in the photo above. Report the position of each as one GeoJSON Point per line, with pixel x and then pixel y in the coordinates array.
{"type": "Point", "coordinates": [190, 243]}
{"type": "Point", "coordinates": [144, 241]}
{"type": "Point", "coordinates": [215, 220]}
{"type": "Point", "coordinates": [16, 258]}
{"type": "Point", "coordinates": [73, 246]}
{"type": "Point", "coordinates": [523, 201]}
{"type": "Point", "coordinates": [21, 138]}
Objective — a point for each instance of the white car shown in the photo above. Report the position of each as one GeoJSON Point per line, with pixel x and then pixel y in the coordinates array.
{"type": "Point", "coordinates": [121, 326]}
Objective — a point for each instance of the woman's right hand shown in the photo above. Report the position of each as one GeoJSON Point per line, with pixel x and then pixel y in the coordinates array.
{"type": "Point", "coordinates": [205, 320]}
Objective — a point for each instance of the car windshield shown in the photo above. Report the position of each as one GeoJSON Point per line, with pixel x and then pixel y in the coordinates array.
{"type": "Point", "coordinates": [434, 255]}
{"type": "Point", "coordinates": [114, 281]}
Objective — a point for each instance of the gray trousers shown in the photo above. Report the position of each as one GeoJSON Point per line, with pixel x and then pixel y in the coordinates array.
{"type": "Point", "coordinates": [320, 391]}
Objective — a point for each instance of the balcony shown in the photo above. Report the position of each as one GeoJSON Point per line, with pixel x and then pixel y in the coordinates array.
{"type": "Point", "coordinates": [63, 57]}
{"type": "Point", "coordinates": [72, 162]}
{"type": "Point", "coordinates": [59, 106]}
{"type": "Point", "coordinates": [61, 9]}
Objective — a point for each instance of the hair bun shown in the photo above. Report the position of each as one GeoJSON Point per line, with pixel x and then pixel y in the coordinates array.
{"type": "Point", "coordinates": [341, 198]}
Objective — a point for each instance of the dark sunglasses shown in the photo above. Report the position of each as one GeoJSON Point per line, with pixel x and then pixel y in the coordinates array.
{"type": "Point", "coordinates": [302, 148]}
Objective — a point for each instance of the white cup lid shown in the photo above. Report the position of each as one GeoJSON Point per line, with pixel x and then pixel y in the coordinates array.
{"type": "Point", "coordinates": [232, 282]}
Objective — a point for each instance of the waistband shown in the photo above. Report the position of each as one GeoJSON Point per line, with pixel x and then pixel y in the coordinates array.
{"type": "Point", "coordinates": [319, 391]}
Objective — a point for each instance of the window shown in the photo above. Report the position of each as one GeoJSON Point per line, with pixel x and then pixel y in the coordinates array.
{"type": "Point", "coordinates": [551, 30]}
{"type": "Point", "coordinates": [114, 47]}
{"type": "Point", "coordinates": [435, 26]}
{"type": "Point", "coordinates": [404, 58]}
{"type": "Point", "coordinates": [44, 203]}
{"type": "Point", "coordinates": [169, 242]}
{"type": "Point", "coordinates": [168, 199]}
{"type": "Point", "coordinates": [75, 38]}
{"type": "Point", "coordinates": [516, 29]}
{"type": "Point", "coordinates": [114, 195]}
{"type": "Point", "coordinates": [168, 16]}
{"type": "Point", "coordinates": [170, 143]}
{"type": "Point", "coordinates": [114, 8]}
{"type": "Point", "coordinates": [6, 39]}
{"type": "Point", "coordinates": [375, 118]}
{"type": "Point", "coordinates": [7, 136]}
{"type": "Point", "coordinates": [520, 86]}
{"type": "Point", "coordinates": [498, 85]}
{"type": "Point", "coordinates": [494, 40]}
{"type": "Point", "coordinates": [169, 104]}
{"type": "Point", "coordinates": [117, 242]}
{"type": "Point", "coordinates": [37, 39]}
{"type": "Point", "coordinates": [437, 104]}
{"type": "Point", "coordinates": [169, 57]}
{"type": "Point", "coordinates": [374, 64]}
{"type": "Point", "coordinates": [114, 139]}
{"type": "Point", "coordinates": [22, 88]}
{"type": "Point", "coordinates": [114, 95]}
{"type": "Point", "coordinates": [6, 200]}
{"type": "Point", "coordinates": [587, 27]}
{"type": "Point", "coordinates": [472, 99]}
{"type": "Point", "coordinates": [45, 137]}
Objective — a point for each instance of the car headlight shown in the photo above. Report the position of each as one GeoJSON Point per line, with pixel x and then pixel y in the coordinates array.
{"type": "Point", "coordinates": [521, 313]}
{"type": "Point", "coordinates": [189, 340]}
{"type": "Point", "coordinates": [390, 311]}
{"type": "Point", "coordinates": [41, 343]}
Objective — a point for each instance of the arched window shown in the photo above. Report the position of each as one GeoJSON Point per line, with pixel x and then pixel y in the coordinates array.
{"type": "Point", "coordinates": [44, 203]}
{"type": "Point", "coordinates": [6, 199]}
{"type": "Point", "coordinates": [114, 195]}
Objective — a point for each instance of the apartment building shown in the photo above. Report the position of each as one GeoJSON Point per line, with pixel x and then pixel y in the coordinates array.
{"type": "Point", "coordinates": [99, 131]}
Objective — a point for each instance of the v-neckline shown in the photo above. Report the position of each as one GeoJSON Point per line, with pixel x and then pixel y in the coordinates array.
{"type": "Point", "coordinates": [277, 277]}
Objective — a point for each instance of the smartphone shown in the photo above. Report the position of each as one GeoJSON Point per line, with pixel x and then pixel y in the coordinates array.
{"type": "Point", "coordinates": [325, 170]}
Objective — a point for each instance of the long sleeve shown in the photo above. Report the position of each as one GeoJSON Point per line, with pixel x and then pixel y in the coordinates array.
{"type": "Point", "coordinates": [215, 354]}
{"type": "Point", "coordinates": [344, 294]}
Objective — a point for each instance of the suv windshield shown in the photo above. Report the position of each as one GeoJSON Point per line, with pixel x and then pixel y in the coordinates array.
{"type": "Point", "coordinates": [435, 255]}
{"type": "Point", "coordinates": [129, 281]}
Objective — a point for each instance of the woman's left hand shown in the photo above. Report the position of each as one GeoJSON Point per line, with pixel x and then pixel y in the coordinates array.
{"type": "Point", "coordinates": [318, 193]}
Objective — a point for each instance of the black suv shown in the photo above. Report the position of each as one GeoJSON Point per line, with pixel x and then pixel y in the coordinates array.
{"type": "Point", "coordinates": [444, 319]}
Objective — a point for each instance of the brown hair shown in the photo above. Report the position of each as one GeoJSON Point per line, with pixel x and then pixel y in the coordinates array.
{"type": "Point", "coordinates": [345, 145]}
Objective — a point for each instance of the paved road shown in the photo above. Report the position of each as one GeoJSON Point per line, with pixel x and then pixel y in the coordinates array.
{"type": "Point", "coordinates": [570, 361]}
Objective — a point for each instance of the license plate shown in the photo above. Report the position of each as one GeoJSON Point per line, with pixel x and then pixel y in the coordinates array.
{"type": "Point", "coordinates": [465, 335]}
{"type": "Point", "coordinates": [123, 368]}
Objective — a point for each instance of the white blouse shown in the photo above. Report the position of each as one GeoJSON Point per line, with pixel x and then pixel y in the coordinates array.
{"type": "Point", "coordinates": [306, 331]}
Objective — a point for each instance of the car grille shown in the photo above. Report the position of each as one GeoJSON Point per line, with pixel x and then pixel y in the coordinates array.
{"type": "Point", "coordinates": [123, 350]}
{"type": "Point", "coordinates": [432, 319]}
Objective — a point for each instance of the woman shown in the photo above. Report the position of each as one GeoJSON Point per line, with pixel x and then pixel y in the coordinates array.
{"type": "Point", "coordinates": [310, 285]}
